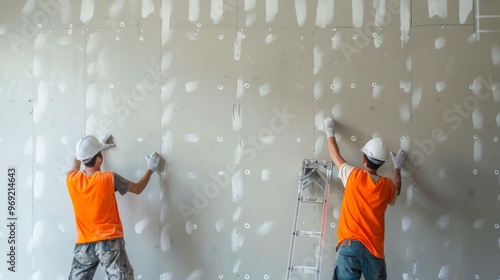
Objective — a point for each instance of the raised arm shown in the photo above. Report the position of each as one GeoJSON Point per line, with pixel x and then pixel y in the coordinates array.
{"type": "Point", "coordinates": [153, 162]}
{"type": "Point", "coordinates": [333, 148]}
{"type": "Point", "coordinates": [398, 160]}
{"type": "Point", "coordinates": [76, 164]}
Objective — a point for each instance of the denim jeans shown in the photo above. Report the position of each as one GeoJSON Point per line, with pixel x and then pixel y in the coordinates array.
{"type": "Point", "coordinates": [354, 260]}
{"type": "Point", "coordinates": [109, 253]}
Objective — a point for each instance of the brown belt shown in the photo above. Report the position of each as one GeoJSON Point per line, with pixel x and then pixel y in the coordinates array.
{"type": "Point", "coordinates": [344, 243]}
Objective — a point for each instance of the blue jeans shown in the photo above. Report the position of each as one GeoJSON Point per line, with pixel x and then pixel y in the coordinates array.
{"type": "Point", "coordinates": [354, 260]}
{"type": "Point", "coordinates": [109, 253]}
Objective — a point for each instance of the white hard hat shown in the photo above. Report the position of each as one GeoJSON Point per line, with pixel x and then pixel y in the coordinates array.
{"type": "Point", "coordinates": [87, 148]}
{"type": "Point", "coordinates": [376, 149]}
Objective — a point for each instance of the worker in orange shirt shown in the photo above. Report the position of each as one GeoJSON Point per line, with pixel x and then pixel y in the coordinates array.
{"type": "Point", "coordinates": [99, 231]}
{"type": "Point", "coordinates": [361, 227]}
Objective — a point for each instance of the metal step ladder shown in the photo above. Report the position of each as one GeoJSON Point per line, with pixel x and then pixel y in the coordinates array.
{"type": "Point", "coordinates": [314, 180]}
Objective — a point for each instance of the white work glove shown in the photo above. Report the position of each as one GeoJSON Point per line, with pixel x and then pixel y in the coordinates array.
{"type": "Point", "coordinates": [153, 161]}
{"type": "Point", "coordinates": [398, 159]}
{"type": "Point", "coordinates": [329, 127]}
{"type": "Point", "coordinates": [107, 142]}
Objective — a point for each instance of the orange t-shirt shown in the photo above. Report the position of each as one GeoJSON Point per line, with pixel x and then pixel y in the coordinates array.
{"type": "Point", "coordinates": [363, 210]}
{"type": "Point", "coordinates": [95, 206]}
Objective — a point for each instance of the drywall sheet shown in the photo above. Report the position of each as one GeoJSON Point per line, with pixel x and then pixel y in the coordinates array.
{"type": "Point", "coordinates": [455, 155]}
{"type": "Point", "coordinates": [233, 95]}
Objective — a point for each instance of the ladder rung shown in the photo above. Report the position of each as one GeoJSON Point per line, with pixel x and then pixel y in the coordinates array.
{"type": "Point", "coordinates": [312, 200]}
{"type": "Point", "coordinates": [307, 233]}
{"type": "Point", "coordinates": [304, 269]}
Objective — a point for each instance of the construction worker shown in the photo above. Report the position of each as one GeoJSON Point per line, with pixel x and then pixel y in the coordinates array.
{"type": "Point", "coordinates": [360, 246]}
{"type": "Point", "coordinates": [99, 232]}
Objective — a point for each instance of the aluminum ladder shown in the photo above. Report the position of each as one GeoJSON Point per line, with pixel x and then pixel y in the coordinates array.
{"type": "Point", "coordinates": [315, 176]}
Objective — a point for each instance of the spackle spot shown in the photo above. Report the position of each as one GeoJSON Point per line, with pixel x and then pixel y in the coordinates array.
{"type": "Point", "coordinates": [265, 89]}
{"type": "Point", "coordinates": [495, 54]}
{"type": "Point", "coordinates": [478, 150]}
{"type": "Point", "coordinates": [443, 222]}
{"type": "Point", "coordinates": [237, 186]}
{"type": "Point", "coordinates": [478, 277]}
{"type": "Point", "coordinates": [442, 174]}
{"type": "Point", "coordinates": [332, 225]}
{"type": "Point", "coordinates": [353, 86]}
{"type": "Point", "coordinates": [270, 38]}
{"type": "Point", "coordinates": [62, 227]}
{"type": "Point", "coordinates": [192, 137]}
{"type": "Point", "coordinates": [477, 119]}
{"type": "Point", "coordinates": [219, 225]}
{"type": "Point", "coordinates": [353, 138]}
{"type": "Point", "coordinates": [39, 185]}
{"type": "Point", "coordinates": [498, 119]}
{"type": "Point", "coordinates": [404, 113]}
{"type": "Point", "coordinates": [474, 171]}
{"type": "Point", "coordinates": [38, 231]}
{"type": "Point", "coordinates": [265, 175]}
{"type": "Point", "coordinates": [266, 276]}
{"type": "Point", "coordinates": [247, 172]}
{"type": "Point", "coordinates": [377, 90]}
{"type": "Point", "coordinates": [168, 142]}
{"type": "Point", "coordinates": [190, 227]}
{"type": "Point", "coordinates": [443, 272]}
{"type": "Point", "coordinates": [195, 275]}
{"type": "Point", "coordinates": [337, 111]}
{"type": "Point", "coordinates": [336, 212]}
{"type": "Point", "coordinates": [192, 86]}
{"type": "Point", "coordinates": [336, 85]}
{"type": "Point", "coordinates": [117, 38]}
{"type": "Point", "coordinates": [440, 86]}
{"type": "Point", "coordinates": [318, 60]}
{"type": "Point", "coordinates": [192, 175]}
{"type": "Point", "coordinates": [142, 224]}
{"type": "Point", "coordinates": [237, 214]}
{"type": "Point", "coordinates": [166, 276]}
{"type": "Point", "coordinates": [141, 38]}
{"type": "Point", "coordinates": [139, 139]}
{"type": "Point", "coordinates": [497, 226]}
{"type": "Point", "coordinates": [87, 10]}
{"type": "Point", "coordinates": [237, 264]}
{"type": "Point", "coordinates": [165, 239]}
{"type": "Point", "coordinates": [378, 40]}
{"type": "Point", "coordinates": [440, 42]}
{"type": "Point", "coordinates": [247, 276]}
{"type": "Point", "coordinates": [408, 64]}
{"type": "Point", "coordinates": [139, 276]}
{"type": "Point", "coordinates": [405, 143]}
{"type": "Point", "coordinates": [220, 87]}
{"type": "Point", "coordinates": [478, 224]}
{"type": "Point", "coordinates": [318, 90]}
{"type": "Point", "coordinates": [265, 228]}
{"type": "Point", "coordinates": [247, 225]}
{"type": "Point", "coordinates": [237, 240]}
{"type": "Point", "coordinates": [406, 223]}
{"type": "Point", "coordinates": [496, 172]}
{"type": "Point", "coordinates": [416, 97]}
{"type": "Point", "coordinates": [266, 139]}
{"type": "Point", "coordinates": [221, 276]}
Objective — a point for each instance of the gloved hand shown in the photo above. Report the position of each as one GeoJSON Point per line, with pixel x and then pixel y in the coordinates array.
{"type": "Point", "coordinates": [398, 159]}
{"type": "Point", "coordinates": [107, 142]}
{"type": "Point", "coordinates": [153, 161]}
{"type": "Point", "coordinates": [329, 127]}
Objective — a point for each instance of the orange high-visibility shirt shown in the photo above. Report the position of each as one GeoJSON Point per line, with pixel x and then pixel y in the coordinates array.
{"type": "Point", "coordinates": [95, 206]}
{"type": "Point", "coordinates": [363, 210]}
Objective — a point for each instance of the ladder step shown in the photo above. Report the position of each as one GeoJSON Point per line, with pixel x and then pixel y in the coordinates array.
{"type": "Point", "coordinates": [307, 233]}
{"type": "Point", "coordinates": [304, 269]}
{"type": "Point", "coordinates": [312, 200]}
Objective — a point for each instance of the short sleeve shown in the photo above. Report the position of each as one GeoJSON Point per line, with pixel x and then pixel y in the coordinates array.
{"type": "Point", "coordinates": [344, 172]}
{"type": "Point", "coordinates": [121, 184]}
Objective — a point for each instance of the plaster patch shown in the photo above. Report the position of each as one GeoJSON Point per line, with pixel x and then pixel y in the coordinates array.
{"type": "Point", "coordinates": [116, 8]}
{"type": "Point", "coordinates": [190, 227]}
{"type": "Point", "coordinates": [477, 119]}
{"type": "Point", "coordinates": [237, 263]}
{"type": "Point", "coordinates": [498, 119]}
{"type": "Point", "coordinates": [465, 9]}
{"type": "Point", "coordinates": [192, 137]}
{"type": "Point", "coordinates": [318, 59]}
{"type": "Point", "coordinates": [358, 11]}
{"type": "Point", "coordinates": [336, 212]}
{"type": "Point", "coordinates": [443, 272]}
{"type": "Point", "coordinates": [237, 239]}
{"type": "Point", "coordinates": [265, 89]}
{"type": "Point", "coordinates": [406, 223]}
{"type": "Point", "coordinates": [220, 224]}
{"type": "Point", "coordinates": [142, 224]}
{"type": "Point", "coordinates": [478, 150]}
{"type": "Point", "coordinates": [166, 62]}
{"type": "Point", "coordinates": [42, 96]}
{"type": "Point", "coordinates": [167, 276]}
{"type": "Point", "coordinates": [443, 222]}
{"type": "Point", "coordinates": [380, 9]}
{"type": "Point", "coordinates": [195, 275]}
{"type": "Point", "coordinates": [324, 13]}
{"type": "Point", "coordinates": [167, 90]}
{"type": "Point", "coordinates": [194, 10]}
{"type": "Point", "coordinates": [337, 111]}
{"type": "Point", "coordinates": [301, 11]}
{"type": "Point", "coordinates": [165, 238]}
{"type": "Point", "coordinates": [478, 224]}
{"type": "Point", "coordinates": [216, 11]}
{"type": "Point", "coordinates": [377, 41]}
{"type": "Point", "coordinates": [148, 7]}
{"type": "Point", "coordinates": [318, 90]}
{"type": "Point", "coordinates": [38, 231]}
{"type": "Point", "coordinates": [441, 86]}
{"type": "Point", "coordinates": [265, 228]}
{"type": "Point", "coordinates": [28, 8]}
{"type": "Point", "coordinates": [265, 175]}
{"type": "Point", "coordinates": [440, 43]}
{"type": "Point", "coordinates": [237, 45]}
{"type": "Point", "coordinates": [237, 186]}
{"type": "Point", "coordinates": [405, 18]}
{"type": "Point", "coordinates": [404, 113]}
{"type": "Point", "coordinates": [336, 41]}
{"type": "Point", "coordinates": [237, 117]}
{"type": "Point", "coordinates": [237, 213]}
{"type": "Point", "coordinates": [438, 8]}
{"type": "Point", "coordinates": [405, 143]}
{"type": "Point", "coordinates": [495, 54]}
{"type": "Point", "coordinates": [270, 38]}
{"type": "Point", "coordinates": [166, 13]}
{"type": "Point", "coordinates": [168, 142]}
{"type": "Point", "coordinates": [377, 90]}
{"type": "Point", "coordinates": [249, 5]}
{"type": "Point", "coordinates": [166, 117]}
{"type": "Point", "coordinates": [318, 146]}
{"type": "Point", "coordinates": [271, 10]}
{"type": "Point", "coordinates": [192, 86]}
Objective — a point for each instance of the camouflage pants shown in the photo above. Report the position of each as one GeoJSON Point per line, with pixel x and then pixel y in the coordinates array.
{"type": "Point", "coordinates": [109, 253]}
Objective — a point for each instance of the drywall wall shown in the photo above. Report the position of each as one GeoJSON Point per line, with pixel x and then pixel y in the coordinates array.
{"type": "Point", "coordinates": [233, 94]}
